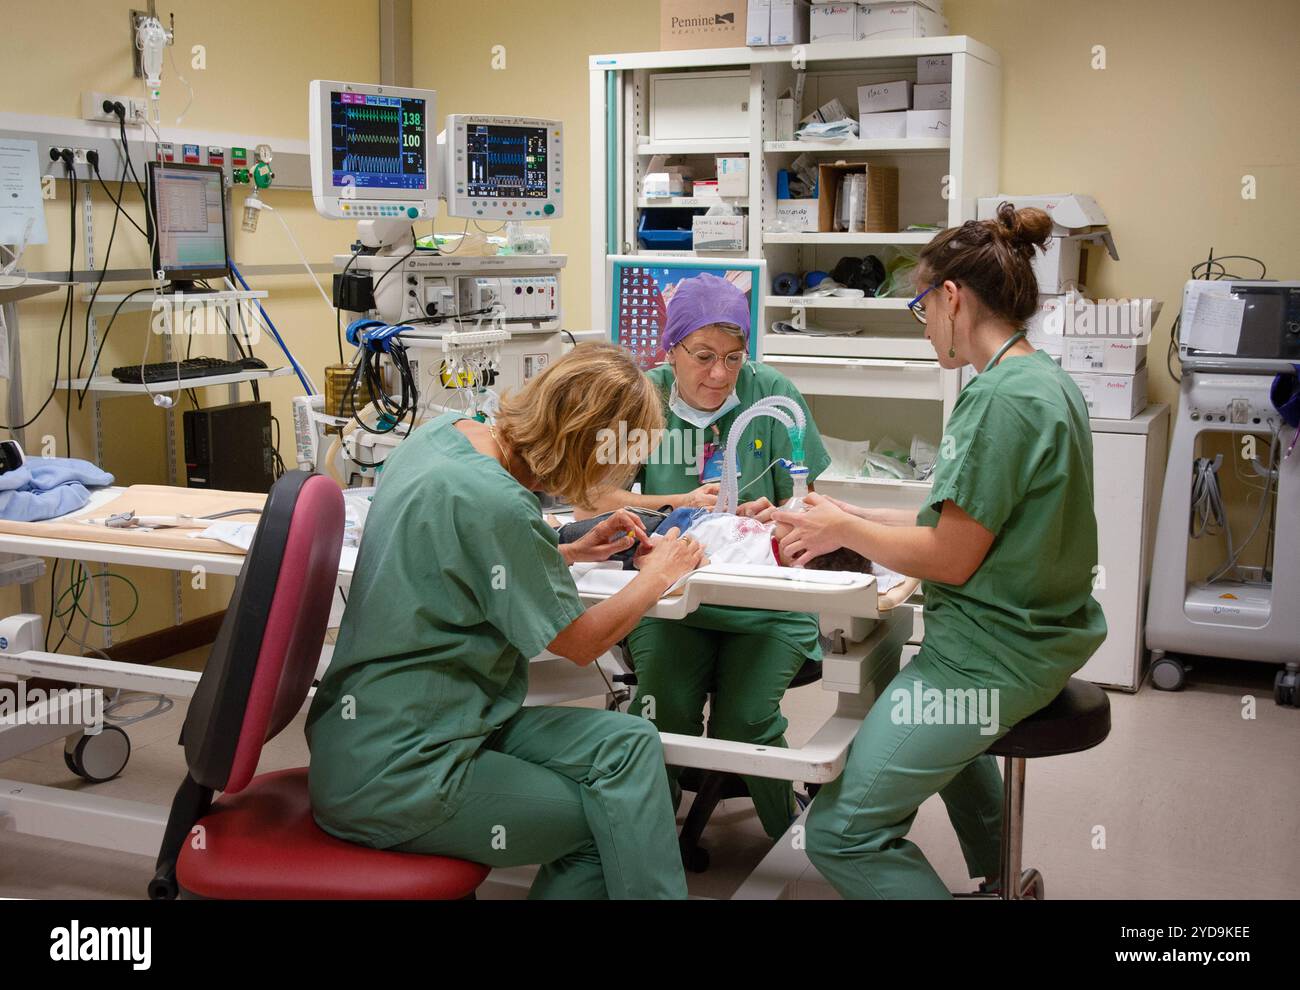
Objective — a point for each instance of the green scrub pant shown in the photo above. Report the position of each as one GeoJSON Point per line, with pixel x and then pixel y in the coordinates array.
{"type": "Point", "coordinates": [677, 665]}
{"type": "Point", "coordinates": [857, 823]}
{"type": "Point", "coordinates": [578, 790]}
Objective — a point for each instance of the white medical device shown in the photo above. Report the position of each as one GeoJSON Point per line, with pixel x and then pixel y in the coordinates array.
{"type": "Point", "coordinates": [503, 168]}
{"type": "Point", "coordinates": [373, 156]}
{"type": "Point", "coordinates": [1236, 336]}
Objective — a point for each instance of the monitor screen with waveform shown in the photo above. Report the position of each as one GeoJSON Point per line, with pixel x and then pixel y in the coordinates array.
{"type": "Point", "coordinates": [506, 162]}
{"type": "Point", "coordinates": [378, 142]}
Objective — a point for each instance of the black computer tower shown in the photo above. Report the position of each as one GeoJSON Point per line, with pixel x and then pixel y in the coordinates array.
{"type": "Point", "coordinates": [229, 447]}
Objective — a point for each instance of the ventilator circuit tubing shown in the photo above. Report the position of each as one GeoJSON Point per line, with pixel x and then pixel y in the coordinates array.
{"type": "Point", "coordinates": [776, 407]}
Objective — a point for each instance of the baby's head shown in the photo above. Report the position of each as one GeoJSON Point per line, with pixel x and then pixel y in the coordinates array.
{"type": "Point", "coordinates": [842, 559]}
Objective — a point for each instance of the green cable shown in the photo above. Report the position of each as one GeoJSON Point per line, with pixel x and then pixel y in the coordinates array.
{"type": "Point", "coordinates": [75, 588]}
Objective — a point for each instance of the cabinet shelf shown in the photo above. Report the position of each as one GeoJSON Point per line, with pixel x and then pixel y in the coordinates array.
{"type": "Point", "coordinates": [832, 302]}
{"type": "Point", "coordinates": [859, 144]}
{"type": "Point", "coordinates": [837, 237]}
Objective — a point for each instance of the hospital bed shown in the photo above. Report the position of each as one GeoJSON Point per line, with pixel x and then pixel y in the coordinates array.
{"type": "Point", "coordinates": [866, 644]}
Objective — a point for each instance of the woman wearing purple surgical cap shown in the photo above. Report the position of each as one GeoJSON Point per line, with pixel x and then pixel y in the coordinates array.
{"type": "Point", "coordinates": [747, 657]}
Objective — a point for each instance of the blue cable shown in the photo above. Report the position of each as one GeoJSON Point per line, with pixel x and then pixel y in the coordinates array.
{"type": "Point", "coordinates": [274, 332]}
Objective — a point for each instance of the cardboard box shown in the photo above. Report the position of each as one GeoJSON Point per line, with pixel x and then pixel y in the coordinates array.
{"type": "Point", "coordinates": [933, 69]}
{"type": "Point", "coordinates": [930, 124]}
{"type": "Point", "coordinates": [789, 22]}
{"type": "Point", "coordinates": [1109, 355]}
{"type": "Point", "coordinates": [798, 215]}
{"type": "Point", "coordinates": [1113, 396]}
{"type": "Point", "coordinates": [702, 24]}
{"type": "Point", "coordinates": [881, 208]}
{"type": "Point", "coordinates": [1076, 219]}
{"type": "Point", "coordinates": [833, 22]}
{"type": "Point", "coordinates": [932, 96]}
{"type": "Point", "coordinates": [883, 125]}
{"type": "Point", "coordinates": [878, 21]}
{"type": "Point", "coordinates": [719, 233]}
{"type": "Point", "coordinates": [758, 23]}
{"type": "Point", "coordinates": [885, 97]}
{"type": "Point", "coordinates": [733, 176]}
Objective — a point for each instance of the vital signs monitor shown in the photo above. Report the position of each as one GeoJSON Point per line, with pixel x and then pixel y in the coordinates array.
{"type": "Point", "coordinates": [372, 154]}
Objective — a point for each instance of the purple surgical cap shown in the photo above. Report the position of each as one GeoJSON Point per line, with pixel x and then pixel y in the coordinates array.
{"type": "Point", "coordinates": [700, 302]}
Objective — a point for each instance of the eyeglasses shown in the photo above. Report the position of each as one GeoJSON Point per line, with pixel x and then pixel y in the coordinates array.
{"type": "Point", "coordinates": [706, 359]}
{"type": "Point", "coordinates": [915, 305]}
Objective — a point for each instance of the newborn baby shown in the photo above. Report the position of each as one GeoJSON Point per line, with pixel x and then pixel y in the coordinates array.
{"type": "Point", "coordinates": [731, 539]}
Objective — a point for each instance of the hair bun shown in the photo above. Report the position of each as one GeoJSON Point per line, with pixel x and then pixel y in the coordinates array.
{"type": "Point", "coordinates": [1027, 228]}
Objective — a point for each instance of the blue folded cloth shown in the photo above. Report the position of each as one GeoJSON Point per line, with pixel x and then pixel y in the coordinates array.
{"type": "Point", "coordinates": [45, 487]}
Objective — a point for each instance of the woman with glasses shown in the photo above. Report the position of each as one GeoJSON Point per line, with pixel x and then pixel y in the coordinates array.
{"type": "Point", "coordinates": [746, 657]}
{"type": "Point", "coordinates": [1007, 549]}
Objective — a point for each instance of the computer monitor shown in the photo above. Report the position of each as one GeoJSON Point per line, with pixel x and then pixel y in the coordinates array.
{"type": "Point", "coordinates": [187, 223]}
{"type": "Point", "coordinates": [372, 153]}
{"type": "Point", "coordinates": [642, 286]}
{"type": "Point", "coordinates": [503, 168]}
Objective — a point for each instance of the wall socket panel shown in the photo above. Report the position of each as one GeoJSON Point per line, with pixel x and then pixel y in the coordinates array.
{"type": "Point", "coordinates": [92, 107]}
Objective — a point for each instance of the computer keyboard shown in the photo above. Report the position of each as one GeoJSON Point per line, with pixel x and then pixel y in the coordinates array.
{"type": "Point", "coordinates": [167, 371]}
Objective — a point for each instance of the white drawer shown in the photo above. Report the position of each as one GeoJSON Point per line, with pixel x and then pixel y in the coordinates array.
{"type": "Point", "coordinates": [861, 377]}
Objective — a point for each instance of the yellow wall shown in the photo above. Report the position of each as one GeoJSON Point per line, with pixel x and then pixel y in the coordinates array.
{"type": "Point", "coordinates": [1195, 95]}
{"type": "Point", "coordinates": [258, 64]}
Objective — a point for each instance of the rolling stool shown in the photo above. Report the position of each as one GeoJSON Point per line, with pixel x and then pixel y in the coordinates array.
{"type": "Point", "coordinates": [710, 786]}
{"type": "Point", "coordinates": [1078, 719]}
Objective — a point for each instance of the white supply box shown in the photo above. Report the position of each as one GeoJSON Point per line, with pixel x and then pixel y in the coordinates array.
{"type": "Point", "coordinates": [758, 23]}
{"type": "Point", "coordinates": [877, 21]}
{"type": "Point", "coordinates": [786, 115]}
{"type": "Point", "coordinates": [1110, 355]}
{"type": "Point", "coordinates": [883, 125]}
{"type": "Point", "coordinates": [1113, 396]}
{"type": "Point", "coordinates": [789, 22]}
{"type": "Point", "coordinates": [932, 96]}
{"type": "Point", "coordinates": [733, 176]}
{"type": "Point", "coordinates": [798, 216]}
{"type": "Point", "coordinates": [929, 123]}
{"type": "Point", "coordinates": [719, 233]}
{"type": "Point", "coordinates": [661, 185]}
{"type": "Point", "coordinates": [833, 22]}
{"type": "Point", "coordinates": [933, 69]}
{"type": "Point", "coordinates": [885, 97]}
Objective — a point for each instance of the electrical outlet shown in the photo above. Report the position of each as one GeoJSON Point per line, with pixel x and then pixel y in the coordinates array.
{"type": "Point", "coordinates": [92, 107]}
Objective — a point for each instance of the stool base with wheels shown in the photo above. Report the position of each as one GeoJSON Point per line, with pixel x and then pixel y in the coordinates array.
{"type": "Point", "coordinates": [1078, 719]}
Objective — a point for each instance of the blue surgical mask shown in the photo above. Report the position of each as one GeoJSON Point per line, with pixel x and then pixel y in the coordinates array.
{"type": "Point", "coordinates": [699, 417]}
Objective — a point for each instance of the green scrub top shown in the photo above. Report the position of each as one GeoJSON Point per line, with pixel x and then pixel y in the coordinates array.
{"type": "Point", "coordinates": [673, 469]}
{"type": "Point", "coordinates": [1017, 457]}
{"type": "Point", "coordinates": [457, 584]}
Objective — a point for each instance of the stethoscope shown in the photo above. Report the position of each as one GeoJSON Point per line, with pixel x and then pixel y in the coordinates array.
{"type": "Point", "coordinates": [1019, 335]}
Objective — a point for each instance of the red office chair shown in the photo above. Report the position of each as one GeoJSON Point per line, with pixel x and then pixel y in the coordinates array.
{"type": "Point", "coordinates": [259, 840]}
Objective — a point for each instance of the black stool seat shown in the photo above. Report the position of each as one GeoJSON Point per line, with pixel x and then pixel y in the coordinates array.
{"type": "Point", "coordinates": [1078, 719]}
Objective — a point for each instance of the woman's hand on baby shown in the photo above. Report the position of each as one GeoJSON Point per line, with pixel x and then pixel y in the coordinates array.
{"type": "Point", "coordinates": [671, 556]}
{"type": "Point", "coordinates": [816, 530]}
{"type": "Point", "coordinates": [760, 509]}
{"type": "Point", "coordinates": [704, 497]}
{"type": "Point", "coordinates": [619, 532]}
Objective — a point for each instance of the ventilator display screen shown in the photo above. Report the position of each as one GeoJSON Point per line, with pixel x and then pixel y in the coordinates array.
{"type": "Point", "coordinates": [506, 162]}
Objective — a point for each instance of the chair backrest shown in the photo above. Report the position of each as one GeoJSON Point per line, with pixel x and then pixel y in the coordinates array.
{"type": "Point", "coordinates": [266, 652]}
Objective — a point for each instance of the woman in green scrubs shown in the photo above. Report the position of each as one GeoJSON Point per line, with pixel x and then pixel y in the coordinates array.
{"type": "Point", "coordinates": [747, 657]}
{"type": "Point", "coordinates": [419, 738]}
{"type": "Point", "coordinates": [1007, 550]}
